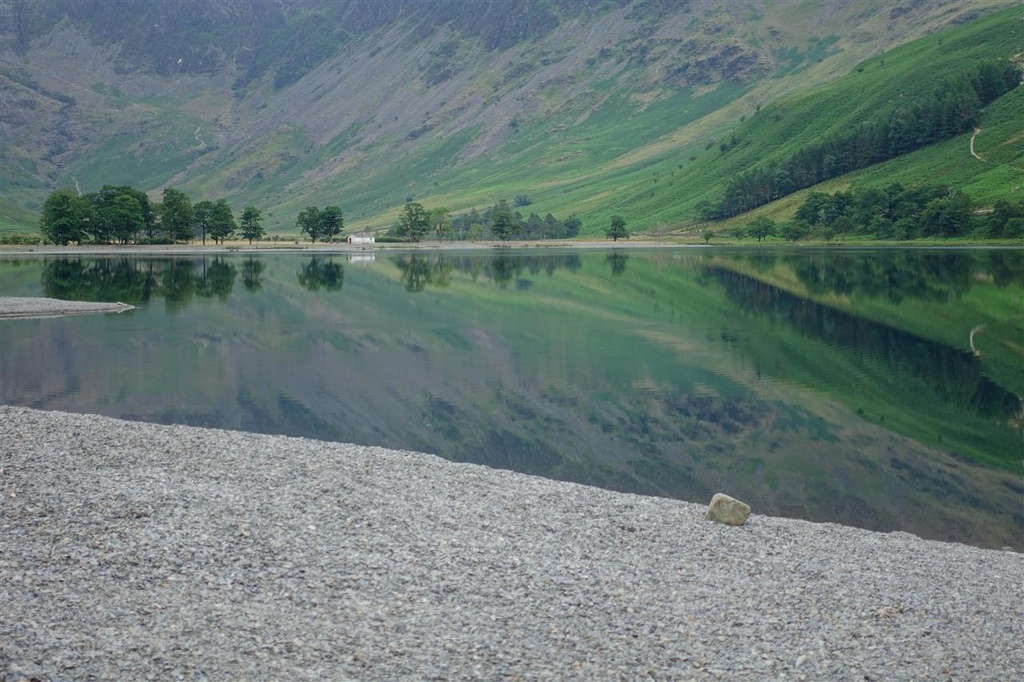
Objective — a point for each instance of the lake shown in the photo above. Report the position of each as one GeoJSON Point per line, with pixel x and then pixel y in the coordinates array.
{"type": "Point", "coordinates": [875, 388]}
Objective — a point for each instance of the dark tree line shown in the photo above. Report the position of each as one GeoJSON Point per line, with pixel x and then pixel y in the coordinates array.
{"type": "Point", "coordinates": [951, 108]}
{"type": "Point", "coordinates": [123, 215]}
{"type": "Point", "coordinates": [500, 221]}
{"type": "Point", "coordinates": [896, 212]}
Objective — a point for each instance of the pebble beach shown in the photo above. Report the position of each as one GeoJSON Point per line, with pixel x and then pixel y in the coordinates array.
{"type": "Point", "coordinates": [139, 551]}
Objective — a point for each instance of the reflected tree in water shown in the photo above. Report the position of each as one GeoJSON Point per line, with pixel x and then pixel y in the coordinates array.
{"type": "Point", "coordinates": [217, 279]}
{"type": "Point", "coordinates": [947, 375]}
{"type": "Point", "coordinates": [179, 284]}
{"type": "Point", "coordinates": [419, 272]}
{"type": "Point", "coordinates": [319, 273]}
{"type": "Point", "coordinates": [618, 263]}
{"type": "Point", "coordinates": [126, 280]}
{"type": "Point", "coordinates": [505, 269]}
{"type": "Point", "coordinates": [1005, 267]}
{"type": "Point", "coordinates": [894, 276]}
{"type": "Point", "coordinates": [252, 274]}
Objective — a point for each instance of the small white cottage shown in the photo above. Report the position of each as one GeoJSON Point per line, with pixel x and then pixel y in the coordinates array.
{"type": "Point", "coordinates": [361, 239]}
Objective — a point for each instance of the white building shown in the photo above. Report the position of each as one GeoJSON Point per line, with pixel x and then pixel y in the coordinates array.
{"type": "Point", "coordinates": [362, 239]}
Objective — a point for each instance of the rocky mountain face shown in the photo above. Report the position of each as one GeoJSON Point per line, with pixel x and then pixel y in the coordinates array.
{"type": "Point", "coordinates": [287, 103]}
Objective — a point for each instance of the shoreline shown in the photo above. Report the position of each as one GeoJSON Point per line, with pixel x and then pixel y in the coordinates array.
{"type": "Point", "coordinates": [12, 250]}
{"type": "Point", "coordinates": [306, 247]}
{"type": "Point", "coordinates": [134, 550]}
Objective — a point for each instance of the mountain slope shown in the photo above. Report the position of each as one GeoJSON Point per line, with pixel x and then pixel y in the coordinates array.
{"type": "Point", "coordinates": [585, 107]}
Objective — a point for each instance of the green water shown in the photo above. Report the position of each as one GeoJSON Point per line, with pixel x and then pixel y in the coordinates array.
{"type": "Point", "coordinates": [872, 388]}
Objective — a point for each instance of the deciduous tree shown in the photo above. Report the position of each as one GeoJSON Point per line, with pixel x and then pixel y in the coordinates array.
{"type": "Point", "coordinates": [65, 216]}
{"type": "Point", "coordinates": [309, 222]}
{"type": "Point", "coordinates": [332, 222]}
{"type": "Point", "coordinates": [503, 223]}
{"type": "Point", "coordinates": [124, 217]}
{"type": "Point", "coordinates": [222, 222]}
{"type": "Point", "coordinates": [251, 225]}
{"type": "Point", "coordinates": [201, 212]}
{"type": "Point", "coordinates": [177, 215]}
{"type": "Point", "coordinates": [617, 230]}
{"type": "Point", "coordinates": [414, 222]}
{"type": "Point", "coordinates": [761, 228]}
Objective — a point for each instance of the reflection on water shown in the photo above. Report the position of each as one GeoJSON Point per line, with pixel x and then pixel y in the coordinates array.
{"type": "Point", "coordinates": [824, 385]}
{"type": "Point", "coordinates": [951, 375]}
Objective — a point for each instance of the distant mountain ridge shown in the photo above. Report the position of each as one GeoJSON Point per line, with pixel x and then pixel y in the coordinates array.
{"type": "Point", "coordinates": [367, 103]}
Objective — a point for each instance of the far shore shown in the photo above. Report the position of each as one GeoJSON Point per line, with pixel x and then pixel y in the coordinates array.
{"type": "Point", "coordinates": [335, 247]}
{"type": "Point", "coordinates": [644, 242]}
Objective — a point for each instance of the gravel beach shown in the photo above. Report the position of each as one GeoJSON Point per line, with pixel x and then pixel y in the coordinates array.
{"type": "Point", "coordinates": [136, 551]}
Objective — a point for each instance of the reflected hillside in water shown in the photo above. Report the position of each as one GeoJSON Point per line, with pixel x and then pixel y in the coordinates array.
{"type": "Point", "coordinates": [791, 381]}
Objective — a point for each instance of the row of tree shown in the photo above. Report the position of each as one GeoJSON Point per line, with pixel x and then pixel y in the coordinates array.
{"type": "Point", "coordinates": [893, 213]}
{"type": "Point", "coordinates": [896, 212]}
{"type": "Point", "coordinates": [324, 224]}
{"type": "Point", "coordinates": [952, 108]}
{"type": "Point", "coordinates": [123, 215]}
{"type": "Point", "coordinates": [499, 221]}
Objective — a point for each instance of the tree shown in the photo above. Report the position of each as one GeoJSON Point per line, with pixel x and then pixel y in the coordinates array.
{"type": "Point", "coordinates": [65, 216]}
{"type": "Point", "coordinates": [101, 224]}
{"type": "Point", "coordinates": [251, 227]}
{"type": "Point", "coordinates": [617, 230]}
{"type": "Point", "coordinates": [707, 234]}
{"type": "Point", "coordinates": [439, 219]}
{"type": "Point", "coordinates": [201, 213]}
{"type": "Point", "coordinates": [414, 222]}
{"type": "Point", "coordinates": [177, 215]}
{"type": "Point", "coordinates": [503, 223]}
{"type": "Point", "coordinates": [573, 225]}
{"type": "Point", "coordinates": [761, 228]}
{"type": "Point", "coordinates": [309, 222]}
{"type": "Point", "coordinates": [222, 222]}
{"type": "Point", "coordinates": [332, 222]}
{"type": "Point", "coordinates": [794, 230]}
{"type": "Point", "coordinates": [124, 218]}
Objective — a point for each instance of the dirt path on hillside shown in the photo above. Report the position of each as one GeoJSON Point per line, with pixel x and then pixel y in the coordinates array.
{"type": "Point", "coordinates": [979, 157]}
{"type": "Point", "coordinates": [974, 153]}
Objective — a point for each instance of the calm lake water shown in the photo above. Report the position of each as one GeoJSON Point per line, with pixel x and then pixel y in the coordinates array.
{"type": "Point", "coordinates": [878, 388]}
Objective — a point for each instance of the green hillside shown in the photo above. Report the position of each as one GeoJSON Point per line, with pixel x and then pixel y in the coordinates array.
{"type": "Point", "coordinates": [782, 128]}
{"type": "Point", "coordinates": [641, 109]}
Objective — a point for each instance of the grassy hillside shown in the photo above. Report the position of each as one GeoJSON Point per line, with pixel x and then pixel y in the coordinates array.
{"type": "Point", "coordinates": [634, 108]}
{"type": "Point", "coordinates": [782, 128]}
{"type": "Point", "coordinates": [656, 164]}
